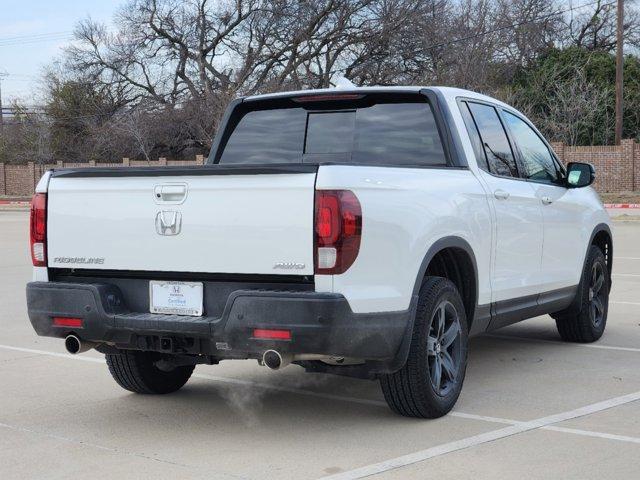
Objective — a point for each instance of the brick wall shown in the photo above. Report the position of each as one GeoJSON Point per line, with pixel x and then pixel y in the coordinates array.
{"type": "Point", "coordinates": [617, 167]}
{"type": "Point", "coordinates": [3, 183]}
{"type": "Point", "coordinates": [21, 180]}
{"type": "Point", "coordinates": [636, 167]}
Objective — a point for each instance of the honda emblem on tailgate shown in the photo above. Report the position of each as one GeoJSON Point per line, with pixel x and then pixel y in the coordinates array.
{"type": "Point", "coordinates": [168, 222]}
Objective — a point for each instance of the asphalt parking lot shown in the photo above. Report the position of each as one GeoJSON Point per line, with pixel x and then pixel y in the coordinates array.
{"type": "Point", "coordinates": [531, 407]}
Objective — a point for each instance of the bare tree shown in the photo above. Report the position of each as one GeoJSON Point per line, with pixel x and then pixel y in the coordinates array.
{"type": "Point", "coordinates": [158, 83]}
{"type": "Point", "coordinates": [135, 123]}
{"type": "Point", "coordinates": [26, 138]}
{"type": "Point", "coordinates": [201, 53]}
{"type": "Point", "coordinates": [574, 107]}
{"type": "Point", "coordinates": [525, 28]}
{"type": "Point", "coordinates": [570, 108]}
{"type": "Point", "coordinates": [470, 43]}
{"type": "Point", "coordinates": [166, 50]}
{"type": "Point", "coordinates": [594, 26]}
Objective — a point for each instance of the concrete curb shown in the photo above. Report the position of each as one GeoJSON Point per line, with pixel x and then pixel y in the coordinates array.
{"type": "Point", "coordinates": [13, 206]}
{"type": "Point", "coordinates": [622, 205]}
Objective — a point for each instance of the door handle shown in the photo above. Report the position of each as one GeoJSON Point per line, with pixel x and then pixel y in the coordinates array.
{"type": "Point", "coordinates": [501, 194]}
{"type": "Point", "coordinates": [170, 193]}
{"type": "Point", "coordinates": [546, 200]}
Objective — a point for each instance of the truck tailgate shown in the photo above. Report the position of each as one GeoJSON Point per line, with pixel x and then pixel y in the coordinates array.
{"type": "Point", "coordinates": [214, 220]}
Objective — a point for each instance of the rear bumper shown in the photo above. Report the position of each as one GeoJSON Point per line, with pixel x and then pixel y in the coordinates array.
{"type": "Point", "coordinates": [320, 323]}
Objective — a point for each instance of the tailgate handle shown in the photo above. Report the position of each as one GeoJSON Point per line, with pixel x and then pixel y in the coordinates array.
{"type": "Point", "coordinates": [170, 193]}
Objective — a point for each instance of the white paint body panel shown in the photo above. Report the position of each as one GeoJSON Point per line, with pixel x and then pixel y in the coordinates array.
{"type": "Point", "coordinates": [43, 183]}
{"type": "Point", "coordinates": [568, 224]}
{"type": "Point", "coordinates": [563, 230]}
{"type": "Point", "coordinates": [518, 237]}
{"type": "Point", "coordinates": [404, 212]}
{"type": "Point", "coordinates": [230, 223]}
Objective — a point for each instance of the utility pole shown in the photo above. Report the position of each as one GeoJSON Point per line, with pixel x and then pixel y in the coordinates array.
{"type": "Point", "coordinates": [1, 112]}
{"type": "Point", "coordinates": [619, 71]}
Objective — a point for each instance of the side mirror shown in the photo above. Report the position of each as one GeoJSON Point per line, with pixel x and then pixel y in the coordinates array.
{"type": "Point", "coordinates": [580, 174]}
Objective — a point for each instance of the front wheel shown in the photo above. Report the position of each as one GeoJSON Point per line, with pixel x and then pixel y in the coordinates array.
{"type": "Point", "coordinates": [137, 372]}
{"type": "Point", "coordinates": [429, 383]}
{"type": "Point", "coordinates": [588, 323]}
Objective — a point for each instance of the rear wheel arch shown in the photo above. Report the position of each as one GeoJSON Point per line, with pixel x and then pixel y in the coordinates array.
{"type": "Point", "coordinates": [452, 258]}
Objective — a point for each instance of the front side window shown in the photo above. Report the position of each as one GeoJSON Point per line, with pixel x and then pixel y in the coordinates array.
{"type": "Point", "coordinates": [536, 158]}
{"type": "Point", "coordinates": [497, 149]}
{"type": "Point", "coordinates": [385, 132]}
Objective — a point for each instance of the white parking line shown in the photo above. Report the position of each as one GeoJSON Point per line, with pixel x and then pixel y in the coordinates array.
{"type": "Point", "coordinates": [266, 386]}
{"type": "Point", "coordinates": [625, 275]}
{"type": "Point", "coordinates": [587, 433]}
{"type": "Point", "coordinates": [625, 303]}
{"type": "Point", "coordinates": [559, 342]}
{"type": "Point", "coordinates": [626, 258]}
{"type": "Point", "coordinates": [328, 396]}
{"type": "Point", "coordinates": [575, 431]}
{"type": "Point", "coordinates": [480, 439]}
{"type": "Point", "coordinates": [53, 354]}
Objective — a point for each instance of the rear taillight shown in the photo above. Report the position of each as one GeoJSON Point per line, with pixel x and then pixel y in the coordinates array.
{"type": "Point", "coordinates": [38, 230]}
{"type": "Point", "coordinates": [338, 227]}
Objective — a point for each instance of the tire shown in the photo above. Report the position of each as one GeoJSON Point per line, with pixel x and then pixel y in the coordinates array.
{"type": "Point", "coordinates": [588, 323]}
{"type": "Point", "coordinates": [136, 371]}
{"type": "Point", "coordinates": [417, 390]}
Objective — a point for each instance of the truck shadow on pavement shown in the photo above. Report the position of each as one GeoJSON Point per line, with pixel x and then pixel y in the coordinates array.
{"type": "Point", "coordinates": [259, 397]}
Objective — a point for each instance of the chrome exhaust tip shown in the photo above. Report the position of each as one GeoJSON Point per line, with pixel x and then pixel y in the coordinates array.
{"type": "Point", "coordinates": [274, 360]}
{"type": "Point", "coordinates": [74, 345]}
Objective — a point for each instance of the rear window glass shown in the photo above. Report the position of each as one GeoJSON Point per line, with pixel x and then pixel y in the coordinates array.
{"type": "Point", "coordinates": [383, 133]}
{"type": "Point", "coordinates": [330, 132]}
{"type": "Point", "coordinates": [267, 136]}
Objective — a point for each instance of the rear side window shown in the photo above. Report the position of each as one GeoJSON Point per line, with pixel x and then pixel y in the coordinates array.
{"type": "Point", "coordinates": [497, 149]}
{"type": "Point", "coordinates": [372, 133]}
{"type": "Point", "coordinates": [476, 141]}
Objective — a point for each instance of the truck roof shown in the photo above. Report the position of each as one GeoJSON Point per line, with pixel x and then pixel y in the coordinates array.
{"type": "Point", "coordinates": [450, 93]}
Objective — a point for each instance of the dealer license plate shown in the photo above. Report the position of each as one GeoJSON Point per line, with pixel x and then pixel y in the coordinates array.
{"type": "Point", "coordinates": [176, 298]}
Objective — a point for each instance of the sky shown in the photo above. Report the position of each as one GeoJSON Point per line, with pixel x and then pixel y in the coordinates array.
{"type": "Point", "coordinates": [44, 27]}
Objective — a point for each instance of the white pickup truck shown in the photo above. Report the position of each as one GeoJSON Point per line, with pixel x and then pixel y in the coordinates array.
{"type": "Point", "coordinates": [365, 232]}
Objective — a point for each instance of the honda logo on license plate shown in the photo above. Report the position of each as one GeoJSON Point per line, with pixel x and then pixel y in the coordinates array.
{"type": "Point", "coordinates": [168, 222]}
